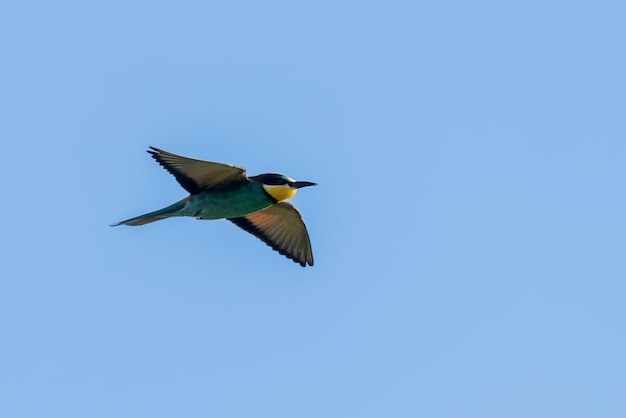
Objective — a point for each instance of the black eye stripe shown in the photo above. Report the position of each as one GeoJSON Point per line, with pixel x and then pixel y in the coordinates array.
{"type": "Point", "coordinates": [271, 179]}
{"type": "Point", "coordinates": [275, 182]}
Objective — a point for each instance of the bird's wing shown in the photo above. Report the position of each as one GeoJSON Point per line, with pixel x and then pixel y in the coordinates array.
{"type": "Point", "coordinates": [196, 175]}
{"type": "Point", "coordinates": [281, 227]}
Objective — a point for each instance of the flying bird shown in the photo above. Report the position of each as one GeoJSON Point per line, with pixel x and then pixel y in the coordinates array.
{"type": "Point", "coordinates": [256, 204]}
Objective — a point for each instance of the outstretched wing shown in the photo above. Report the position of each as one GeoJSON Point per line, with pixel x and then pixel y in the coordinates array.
{"type": "Point", "coordinates": [196, 175]}
{"type": "Point", "coordinates": [281, 227]}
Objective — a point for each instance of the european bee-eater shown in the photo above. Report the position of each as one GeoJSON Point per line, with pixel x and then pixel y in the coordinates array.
{"type": "Point", "coordinates": [256, 204]}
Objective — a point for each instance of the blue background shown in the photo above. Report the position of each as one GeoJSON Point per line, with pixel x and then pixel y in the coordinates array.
{"type": "Point", "coordinates": [468, 228]}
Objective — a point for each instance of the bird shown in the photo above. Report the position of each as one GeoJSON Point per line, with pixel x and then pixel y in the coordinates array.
{"type": "Point", "coordinates": [256, 204]}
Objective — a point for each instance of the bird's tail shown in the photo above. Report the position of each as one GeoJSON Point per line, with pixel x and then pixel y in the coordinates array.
{"type": "Point", "coordinates": [171, 210]}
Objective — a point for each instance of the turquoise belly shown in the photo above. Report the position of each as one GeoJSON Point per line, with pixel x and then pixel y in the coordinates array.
{"type": "Point", "coordinates": [216, 204]}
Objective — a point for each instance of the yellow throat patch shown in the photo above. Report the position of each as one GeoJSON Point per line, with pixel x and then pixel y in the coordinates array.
{"type": "Point", "coordinates": [281, 192]}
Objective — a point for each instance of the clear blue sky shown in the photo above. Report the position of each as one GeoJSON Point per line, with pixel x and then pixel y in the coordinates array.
{"type": "Point", "coordinates": [469, 227]}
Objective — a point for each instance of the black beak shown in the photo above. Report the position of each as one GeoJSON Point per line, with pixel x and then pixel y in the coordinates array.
{"type": "Point", "coordinates": [301, 184]}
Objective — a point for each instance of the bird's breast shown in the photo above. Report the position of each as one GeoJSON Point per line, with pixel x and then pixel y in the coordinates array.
{"type": "Point", "coordinates": [217, 204]}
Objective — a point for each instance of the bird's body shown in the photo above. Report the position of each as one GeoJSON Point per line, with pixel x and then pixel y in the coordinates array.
{"type": "Point", "coordinates": [231, 203]}
{"type": "Point", "coordinates": [255, 204]}
{"type": "Point", "coordinates": [214, 204]}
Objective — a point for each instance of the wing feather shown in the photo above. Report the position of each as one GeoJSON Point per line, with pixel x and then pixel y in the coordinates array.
{"type": "Point", "coordinates": [281, 227]}
{"type": "Point", "coordinates": [196, 175]}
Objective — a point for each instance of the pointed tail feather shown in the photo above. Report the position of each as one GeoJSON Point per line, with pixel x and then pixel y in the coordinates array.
{"type": "Point", "coordinates": [154, 216]}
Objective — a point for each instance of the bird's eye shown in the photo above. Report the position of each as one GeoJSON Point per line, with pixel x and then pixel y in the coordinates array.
{"type": "Point", "coordinates": [276, 181]}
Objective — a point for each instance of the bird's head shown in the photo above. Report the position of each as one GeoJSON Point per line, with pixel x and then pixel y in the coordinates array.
{"type": "Point", "coordinates": [280, 187]}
